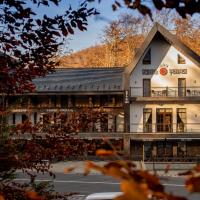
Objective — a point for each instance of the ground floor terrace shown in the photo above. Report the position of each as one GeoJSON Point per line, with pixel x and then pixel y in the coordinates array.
{"type": "Point", "coordinates": [165, 150]}
{"type": "Point", "coordinates": [164, 147]}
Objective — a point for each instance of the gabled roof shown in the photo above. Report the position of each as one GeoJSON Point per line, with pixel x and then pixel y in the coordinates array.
{"type": "Point", "coordinates": [171, 39]}
{"type": "Point", "coordinates": [81, 80]}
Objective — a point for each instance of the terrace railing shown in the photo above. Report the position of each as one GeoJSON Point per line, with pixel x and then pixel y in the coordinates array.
{"type": "Point", "coordinates": [165, 128]}
{"type": "Point", "coordinates": [165, 92]}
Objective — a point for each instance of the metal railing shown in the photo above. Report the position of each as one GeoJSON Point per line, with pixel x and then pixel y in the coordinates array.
{"type": "Point", "coordinates": [165, 128]}
{"type": "Point", "coordinates": [165, 92]}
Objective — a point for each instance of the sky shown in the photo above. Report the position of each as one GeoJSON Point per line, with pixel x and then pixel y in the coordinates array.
{"type": "Point", "coordinates": [92, 36]}
{"type": "Point", "coordinates": [96, 24]}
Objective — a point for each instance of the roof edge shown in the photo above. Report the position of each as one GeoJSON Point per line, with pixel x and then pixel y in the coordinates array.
{"type": "Point", "coordinates": [172, 39]}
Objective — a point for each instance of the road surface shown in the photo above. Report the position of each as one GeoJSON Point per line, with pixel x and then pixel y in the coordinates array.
{"type": "Point", "coordinates": [98, 183]}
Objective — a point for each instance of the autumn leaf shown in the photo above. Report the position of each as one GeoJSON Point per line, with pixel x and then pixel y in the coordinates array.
{"type": "Point", "coordinates": [116, 173]}
{"type": "Point", "coordinates": [197, 168]}
{"type": "Point", "coordinates": [1, 197]}
{"type": "Point", "coordinates": [193, 184]}
{"type": "Point", "coordinates": [68, 169]}
{"type": "Point", "coordinates": [103, 152]}
{"type": "Point", "coordinates": [90, 165]}
{"type": "Point", "coordinates": [34, 195]}
{"type": "Point", "coordinates": [133, 190]}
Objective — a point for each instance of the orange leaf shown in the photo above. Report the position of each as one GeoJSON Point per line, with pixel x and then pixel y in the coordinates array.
{"type": "Point", "coordinates": [133, 190]}
{"type": "Point", "coordinates": [103, 152]}
{"type": "Point", "coordinates": [116, 173]}
{"type": "Point", "coordinates": [197, 168]}
{"type": "Point", "coordinates": [1, 197]}
{"type": "Point", "coordinates": [193, 184]}
{"type": "Point", "coordinates": [68, 169]}
{"type": "Point", "coordinates": [33, 195]}
{"type": "Point", "coordinates": [90, 165]}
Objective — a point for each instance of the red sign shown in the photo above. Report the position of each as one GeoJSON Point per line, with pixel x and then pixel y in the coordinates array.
{"type": "Point", "coordinates": [163, 71]}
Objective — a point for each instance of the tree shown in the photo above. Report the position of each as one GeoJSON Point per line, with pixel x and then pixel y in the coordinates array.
{"type": "Point", "coordinates": [188, 30]}
{"type": "Point", "coordinates": [182, 7]}
{"type": "Point", "coordinates": [28, 43]}
{"type": "Point", "coordinates": [28, 46]}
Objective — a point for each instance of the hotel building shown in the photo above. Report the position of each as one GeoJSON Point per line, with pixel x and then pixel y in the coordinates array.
{"type": "Point", "coordinates": [164, 99]}
{"type": "Point", "coordinates": [153, 105]}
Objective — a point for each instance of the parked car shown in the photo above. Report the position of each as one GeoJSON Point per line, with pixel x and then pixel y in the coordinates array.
{"type": "Point", "coordinates": [103, 196]}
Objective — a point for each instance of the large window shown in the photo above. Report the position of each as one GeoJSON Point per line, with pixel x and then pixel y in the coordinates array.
{"type": "Point", "coordinates": [13, 118]}
{"type": "Point", "coordinates": [180, 59]}
{"type": "Point", "coordinates": [147, 120]}
{"type": "Point", "coordinates": [164, 120]}
{"type": "Point", "coordinates": [147, 58]}
{"type": "Point", "coordinates": [181, 119]}
{"type": "Point", "coordinates": [24, 118]}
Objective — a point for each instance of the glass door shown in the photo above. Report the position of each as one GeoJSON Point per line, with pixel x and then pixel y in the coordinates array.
{"type": "Point", "coordinates": [181, 87]}
{"type": "Point", "coordinates": [181, 120]}
{"type": "Point", "coordinates": [147, 120]}
{"type": "Point", "coordinates": [146, 87]}
{"type": "Point", "coordinates": [164, 120]}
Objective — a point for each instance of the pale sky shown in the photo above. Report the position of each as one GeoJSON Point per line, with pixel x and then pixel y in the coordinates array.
{"type": "Point", "coordinates": [96, 24]}
{"type": "Point", "coordinates": [92, 36]}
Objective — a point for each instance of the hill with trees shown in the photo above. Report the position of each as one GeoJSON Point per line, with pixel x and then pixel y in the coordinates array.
{"type": "Point", "coordinates": [122, 37]}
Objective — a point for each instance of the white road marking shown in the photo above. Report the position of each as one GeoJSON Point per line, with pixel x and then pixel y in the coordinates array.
{"type": "Point", "coordinates": [63, 181]}
{"type": "Point", "coordinates": [88, 182]}
{"type": "Point", "coordinates": [174, 185]}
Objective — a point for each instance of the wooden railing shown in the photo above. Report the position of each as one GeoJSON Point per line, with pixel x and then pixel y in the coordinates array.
{"type": "Point", "coordinates": [165, 92]}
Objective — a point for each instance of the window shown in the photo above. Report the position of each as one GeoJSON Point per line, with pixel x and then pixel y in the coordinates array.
{"type": "Point", "coordinates": [35, 118]}
{"type": "Point", "coordinates": [24, 118]}
{"type": "Point", "coordinates": [164, 120]}
{"type": "Point", "coordinates": [147, 58]}
{"type": "Point", "coordinates": [181, 119]}
{"type": "Point", "coordinates": [13, 118]}
{"type": "Point", "coordinates": [180, 59]}
{"type": "Point", "coordinates": [146, 87]}
{"type": "Point", "coordinates": [147, 120]}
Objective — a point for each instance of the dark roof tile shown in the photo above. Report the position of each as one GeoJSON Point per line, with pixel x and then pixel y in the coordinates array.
{"type": "Point", "coordinates": [79, 79]}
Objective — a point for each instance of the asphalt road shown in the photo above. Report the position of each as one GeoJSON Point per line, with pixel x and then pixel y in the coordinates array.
{"type": "Point", "coordinates": [98, 183]}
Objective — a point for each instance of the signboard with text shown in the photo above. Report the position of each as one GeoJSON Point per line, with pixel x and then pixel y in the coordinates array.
{"type": "Point", "coordinates": [164, 70]}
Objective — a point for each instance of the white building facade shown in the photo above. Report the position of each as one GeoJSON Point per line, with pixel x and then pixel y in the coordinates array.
{"type": "Point", "coordinates": [164, 90]}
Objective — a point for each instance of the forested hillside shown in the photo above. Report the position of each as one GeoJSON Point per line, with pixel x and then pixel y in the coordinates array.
{"type": "Point", "coordinates": [121, 39]}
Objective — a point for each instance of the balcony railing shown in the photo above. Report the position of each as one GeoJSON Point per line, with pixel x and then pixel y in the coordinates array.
{"type": "Point", "coordinates": [165, 128]}
{"type": "Point", "coordinates": [165, 92]}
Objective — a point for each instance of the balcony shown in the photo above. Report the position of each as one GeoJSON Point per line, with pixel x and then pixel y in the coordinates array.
{"type": "Point", "coordinates": [165, 92]}
{"type": "Point", "coordinates": [166, 128]}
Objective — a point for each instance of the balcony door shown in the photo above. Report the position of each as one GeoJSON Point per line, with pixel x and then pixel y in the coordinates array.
{"type": "Point", "coordinates": [164, 120]}
{"type": "Point", "coordinates": [181, 87]}
{"type": "Point", "coordinates": [146, 87]}
{"type": "Point", "coordinates": [147, 120]}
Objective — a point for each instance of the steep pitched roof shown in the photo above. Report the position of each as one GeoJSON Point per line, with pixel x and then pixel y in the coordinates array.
{"type": "Point", "coordinates": [170, 38]}
{"type": "Point", "coordinates": [81, 80]}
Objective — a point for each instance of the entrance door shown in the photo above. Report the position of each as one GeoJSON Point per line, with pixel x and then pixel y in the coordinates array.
{"type": "Point", "coordinates": [164, 120]}
{"type": "Point", "coordinates": [146, 87]}
{"type": "Point", "coordinates": [181, 87]}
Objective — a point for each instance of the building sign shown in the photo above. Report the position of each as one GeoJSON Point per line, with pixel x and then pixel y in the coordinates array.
{"type": "Point", "coordinates": [44, 110]}
{"type": "Point", "coordinates": [177, 71]}
{"type": "Point", "coordinates": [58, 110]}
{"type": "Point", "coordinates": [19, 110]}
{"type": "Point", "coordinates": [164, 70]}
{"type": "Point", "coordinates": [126, 97]}
{"type": "Point", "coordinates": [149, 71]}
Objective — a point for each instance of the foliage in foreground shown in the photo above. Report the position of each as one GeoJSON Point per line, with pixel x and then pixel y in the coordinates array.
{"type": "Point", "coordinates": [141, 184]}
